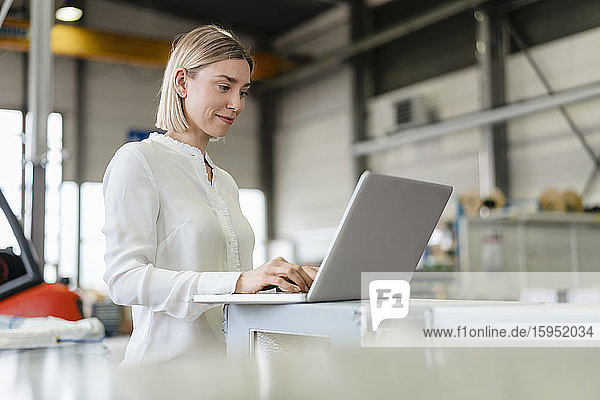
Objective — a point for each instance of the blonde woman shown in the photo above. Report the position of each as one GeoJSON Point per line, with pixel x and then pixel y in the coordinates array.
{"type": "Point", "coordinates": [174, 227]}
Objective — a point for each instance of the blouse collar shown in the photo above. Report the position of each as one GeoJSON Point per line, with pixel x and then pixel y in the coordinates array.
{"type": "Point", "coordinates": [181, 147]}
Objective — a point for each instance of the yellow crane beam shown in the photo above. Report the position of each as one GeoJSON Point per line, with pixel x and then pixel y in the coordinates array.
{"type": "Point", "coordinates": [89, 44]}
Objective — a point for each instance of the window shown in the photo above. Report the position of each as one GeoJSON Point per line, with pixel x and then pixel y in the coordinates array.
{"type": "Point", "coordinates": [252, 202]}
{"type": "Point", "coordinates": [52, 227]}
{"type": "Point", "coordinates": [92, 239]}
{"type": "Point", "coordinates": [11, 144]}
{"type": "Point", "coordinates": [11, 141]}
{"type": "Point", "coordinates": [11, 177]}
{"type": "Point", "coordinates": [69, 198]}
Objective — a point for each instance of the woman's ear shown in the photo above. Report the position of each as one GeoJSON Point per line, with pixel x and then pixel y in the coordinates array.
{"type": "Point", "coordinates": [181, 82]}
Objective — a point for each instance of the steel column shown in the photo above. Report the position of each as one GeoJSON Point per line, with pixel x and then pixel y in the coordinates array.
{"type": "Point", "coordinates": [268, 103]}
{"type": "Point", "coordinates": [362, 82]}
{"type": "Point", "coordinates": [491, 47]}
{"type": "Point", "coordinates": [24, 104]}
{"type": "Point", "coordinates": [81, 95]}
{"type": "Point", "coordinates": [40, 99]}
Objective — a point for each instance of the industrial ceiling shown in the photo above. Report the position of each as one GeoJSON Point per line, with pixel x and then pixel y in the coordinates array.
{"type": "Point", "coordinates": [257, 18]}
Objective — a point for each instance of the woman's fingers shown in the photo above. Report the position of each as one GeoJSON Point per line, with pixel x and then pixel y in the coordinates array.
{"type": "Point", "coordinates": [311, 271]}
{"type": "Point", "coordinates": [284, 285]}
{"type": "Point", "coordinates": [287, 276]}
{"type": "Point", "coordinates": [296, 274]}
{"type": "Point", "coordinates": [308, 279]}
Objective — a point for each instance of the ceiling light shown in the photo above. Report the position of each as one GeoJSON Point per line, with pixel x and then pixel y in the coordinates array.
{"type": "Point", "coordinates": [69, 12]}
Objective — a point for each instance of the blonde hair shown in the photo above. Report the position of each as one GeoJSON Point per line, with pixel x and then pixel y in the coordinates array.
{"type": "Point", "coordinates": [193, 50]}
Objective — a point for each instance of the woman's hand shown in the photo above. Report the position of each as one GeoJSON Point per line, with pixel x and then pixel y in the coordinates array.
{"type": "Point", "coordinates": [311, 270]}
{"type": "Point", "coordinates": [278, 272]}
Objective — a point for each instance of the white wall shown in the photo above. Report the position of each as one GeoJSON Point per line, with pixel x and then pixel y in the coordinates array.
{"type": "Point", "coordinates": [119, 98]}
{"type": "Point", "coordinates": [312, 145]}
{"type": "Point", "coordinates": [315, 125]}
{"type": "Point", "coordinates": [451, 159]}
{"type": "Point", "coordinates": [543, 152]}
{"type": "Point", "coordinates": [122, 97]}
{"type": "Point", "coordinates": [313, 162]}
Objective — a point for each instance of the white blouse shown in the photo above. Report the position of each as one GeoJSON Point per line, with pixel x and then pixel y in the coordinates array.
{"type": "Point", "coordinates": [171, 234]}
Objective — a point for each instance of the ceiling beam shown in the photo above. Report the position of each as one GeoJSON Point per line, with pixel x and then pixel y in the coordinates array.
{"type": "Point", "coordinates": [403, 28]}
{"type": "Point", "coordinates": [477, 119]}
{"type": "Point", "coordinates": [79, 42]}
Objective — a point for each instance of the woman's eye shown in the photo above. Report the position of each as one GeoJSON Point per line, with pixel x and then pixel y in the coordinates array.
{"type": "Point", "coordinates": [244, 94]}
{"type": "Point", "coordinates": [224, 88]}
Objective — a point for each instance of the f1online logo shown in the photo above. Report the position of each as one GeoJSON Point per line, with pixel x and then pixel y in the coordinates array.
{"type": "Point", "coordinates": [388, 299]}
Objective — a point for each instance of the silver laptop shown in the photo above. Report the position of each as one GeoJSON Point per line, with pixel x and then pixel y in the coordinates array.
{"type": "Point", "coordinates": [385, 228]}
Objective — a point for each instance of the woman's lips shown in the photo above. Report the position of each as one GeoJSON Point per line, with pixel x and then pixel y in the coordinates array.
{"type": "Point", "coordinates": [227, 120]}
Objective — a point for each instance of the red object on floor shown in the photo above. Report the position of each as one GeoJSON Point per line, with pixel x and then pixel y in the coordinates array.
{"type": "Point", "coordinates": [42, 300]}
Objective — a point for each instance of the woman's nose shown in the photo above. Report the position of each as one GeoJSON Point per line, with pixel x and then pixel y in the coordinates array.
{"type": "Point", "coordinates": [236, 105]}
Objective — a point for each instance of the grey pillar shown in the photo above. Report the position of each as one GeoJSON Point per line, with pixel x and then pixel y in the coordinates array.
{"type": "Point", "coordinates": [268, 104]}
{"type": "Point", "coordinates": [24, 109]}
{"type": "Point", "coordinates": [40, 100]}
{"type": "Point", "coordinates": [81, 68]}
{"type": "Point", "coordinates": [491, 47]}
{"type": "Point", "coordinates": [362, 82]}
{"type": "Point", "coordinates": [81, 146]}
